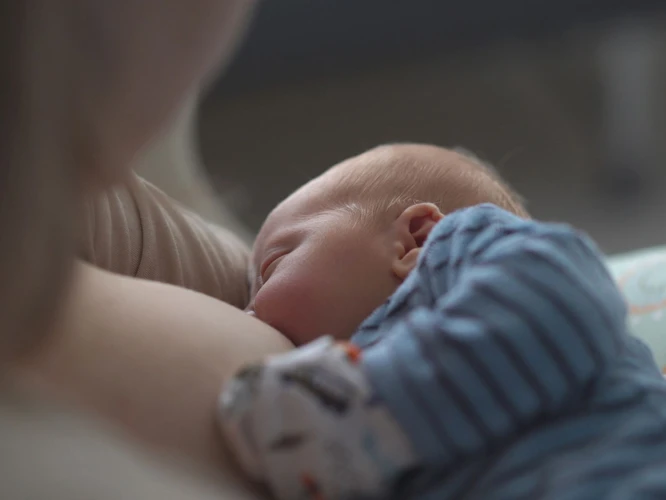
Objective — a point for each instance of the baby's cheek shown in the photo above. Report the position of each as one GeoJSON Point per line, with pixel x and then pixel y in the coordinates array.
{"type": "Point", "coordinates": [292, 306]}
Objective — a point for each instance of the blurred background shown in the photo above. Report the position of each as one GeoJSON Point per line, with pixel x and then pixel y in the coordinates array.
{"type": "Point", "coordinates": [567, 99]}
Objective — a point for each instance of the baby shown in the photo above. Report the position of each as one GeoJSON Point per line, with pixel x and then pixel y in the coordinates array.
{"type": "Point", "coordinates": [334, 250]}
{"type": "Point", "coordinates": [460, 352]}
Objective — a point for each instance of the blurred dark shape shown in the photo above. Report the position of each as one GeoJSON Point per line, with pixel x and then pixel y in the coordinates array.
{"type": "Point", "coordinates": [566, 98]}
{"type": "Point", "coordinates": [296, 39]}
{"type": "Point", "coordinates": [623, 182]}
{"type": "Point", "coordinates": [627, 57]}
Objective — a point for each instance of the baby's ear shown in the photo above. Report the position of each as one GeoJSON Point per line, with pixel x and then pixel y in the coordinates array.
{"type": "Point", "coordinates": [412, 227]}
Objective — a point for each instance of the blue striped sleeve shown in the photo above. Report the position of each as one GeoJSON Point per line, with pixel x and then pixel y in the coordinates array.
{"type": "Point", "coordinates": [525, 320]}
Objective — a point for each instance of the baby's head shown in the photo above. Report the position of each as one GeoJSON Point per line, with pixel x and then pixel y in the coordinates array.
{"type": "Point", "coordinates": [339, 246]}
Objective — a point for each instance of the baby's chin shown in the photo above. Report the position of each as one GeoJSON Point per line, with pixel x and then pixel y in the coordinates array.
{"type": "Point", "coordinates": [300, 337]}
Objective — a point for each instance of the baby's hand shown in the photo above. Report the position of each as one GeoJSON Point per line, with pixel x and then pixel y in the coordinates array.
{"type": "Point", "coordinates": [306, 423]}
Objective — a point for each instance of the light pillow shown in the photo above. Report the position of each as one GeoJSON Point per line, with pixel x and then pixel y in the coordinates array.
{"type": "Point", "coordinates": [641, 276]}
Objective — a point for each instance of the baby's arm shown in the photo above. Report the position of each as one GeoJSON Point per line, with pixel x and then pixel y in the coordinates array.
{"type": "Point", "coordinates": [526, 320]}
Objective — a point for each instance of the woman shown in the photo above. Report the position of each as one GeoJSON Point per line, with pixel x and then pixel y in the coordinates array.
{"type": "Point", "coordinates": [87, 84]}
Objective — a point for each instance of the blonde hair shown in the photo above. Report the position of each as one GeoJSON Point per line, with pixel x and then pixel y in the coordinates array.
{"type": "Point", "coordinates": [87, 83]}
{"type": "Point", "coordinates": [37, 186]}
{"type": "Point", "coordinates": [386, 180]}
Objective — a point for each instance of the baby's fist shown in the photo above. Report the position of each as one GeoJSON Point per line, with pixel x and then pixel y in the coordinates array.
{"type": "Point", "coordinates": [306, 423]}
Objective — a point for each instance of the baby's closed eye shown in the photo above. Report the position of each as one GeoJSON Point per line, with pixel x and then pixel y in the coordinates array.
{"type": "Point", "coordinates": [269, 265]}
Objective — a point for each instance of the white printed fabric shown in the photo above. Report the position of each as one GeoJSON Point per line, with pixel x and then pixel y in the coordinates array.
{"type": "Point", "coordinates": [306, 423]}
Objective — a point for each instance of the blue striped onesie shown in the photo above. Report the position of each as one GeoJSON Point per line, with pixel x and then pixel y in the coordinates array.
{"type": "Point", "coordinates": [505, 358]}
